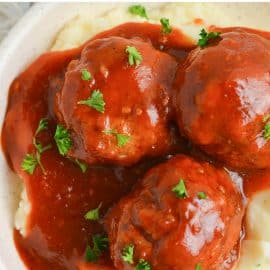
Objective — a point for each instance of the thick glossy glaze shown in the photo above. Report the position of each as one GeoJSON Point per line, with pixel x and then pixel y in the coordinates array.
{"type": "Point", "coordinates": [137, 102]}
{"type": "Point", "coordinates": [223, 95]}
{"type": "Point", "coordinates": [178, 233]}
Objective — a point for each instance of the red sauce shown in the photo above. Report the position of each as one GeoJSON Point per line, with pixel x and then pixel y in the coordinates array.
{"type": "Point", "coordinates": [57, 233]}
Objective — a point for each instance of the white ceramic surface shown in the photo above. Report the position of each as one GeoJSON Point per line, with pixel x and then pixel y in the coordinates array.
{"type": "Point", "coordinates": [33, 35]}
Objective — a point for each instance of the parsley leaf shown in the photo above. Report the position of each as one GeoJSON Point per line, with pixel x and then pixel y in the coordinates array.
{"type": "Point", "coordinates": [166, 28]}
{"type": "Point", "coordinates": [143, 265]}
{"type": "Point", "coordinates": [62, 139]}
{"type": "Point", "coordinates": [90, 254]}
{"type": "Point", "coordinates": [205, 37]}
{"type": "Point", "coordinates": [202, 195]}
{"type": "Point", "coordinates": [100, 243]}
{"type": "Point", "coordinates": [138, 10]}
{"type": "Point", "coordinates": [122, 139]}
{"type": "Point", "coordinates": [134, 57]}
{"type": "Point", "coordinates": [128, 253]}
{"type": "Point", "coordinates": [266, 129]}
{"type": "Point", "coordinates": [29, 163]}
{"type": "Point", "coordinates": [83, 166]}
{"type": "Point", "coordinates": [180, 189]}
{"type": "Point", "coordinates": [95, 101]}
{"type": "Point", "coordinates": [198, 266]}
{"type": "Point", "coordinates": [86, 75]}
{"type": "Point", "coordinates": [93, 214]}
{"type": "Point", "coordinates": [43, 125]}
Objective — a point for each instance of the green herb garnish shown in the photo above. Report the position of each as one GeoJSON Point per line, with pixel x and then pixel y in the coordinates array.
{"type": "Point", "coordinates": [42, 125]}
{"type": "Point", "coordinates": [198, 266]}
{"type": "Point", "coordinates": [166, 28]}
{"type": "Point", "coordinates": [31, 161]}
{"type": "Point", "coordinates": [93, 214]}
{"type": "Point", "coordinates": [62, 139]}
{"type": "Point", "coordinates": [83, 166]}
{"type": "Point", "coordinates": [95, 101]}
{"type": "Point", "coordinates": [100, 243]}
{"type": "Point", "coordinates": [266, 129]}
{"type": "Point", "coordinates": [134, 57]}
{"type": "Point", "coordinates": [86, 75]}
{"type": "Point", "coordinates": [180, 189]}
{"type": "Point", "coordinates": [201, 195]}
{"type": "Point", "coordinates": [122, 139]}
{"type": "Point", "coordinates": [138, 10]}
{"type": "Point", "coordinates": [128, 253]}
{"type": "Point", "coordinates": [205, 37]}
{"type": "Point", "coordinates": [143, 265]}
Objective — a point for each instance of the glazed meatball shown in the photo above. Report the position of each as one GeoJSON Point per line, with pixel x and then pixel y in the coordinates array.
{"type": "Point", "coordinates": [119, 113]}
{"type": "Point", "coordinates": [182, 214]}
{"type": "Point", "coordinates": [222, 99]}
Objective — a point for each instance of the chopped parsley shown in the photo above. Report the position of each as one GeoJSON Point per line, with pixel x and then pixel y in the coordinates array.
{"type": "Point", "coordinates": [143, 265]}
{"type": "Point", "coordinates": [122, 139]}
{"type": "Point", "coordinates": [138, 10]}
{"type": "Point", "coordinates": [134, 57]}
{"type": "Point", "coordinates": [128, 253]}
{"type": "Point", "coordinates": [42, 125]}
{"type": "Point", "coordinates": [198, 266]}
{"type": "Point", "coordinates": [83, 166]}
{"type": "Point", "coordinates": [266, 129]}
{"type": "Point", "coordinates": [62, 139]}
{"type": "Point", "coordinates": [100, 243]}
{"type": "Point", "coordinates": [86, 75]}
{"type": "Point", "coordinates": [90, 254]}
{"type": "Point", "coordinates": [93, 214]}
{"type": "Point", "coordinates": [40, 148]}
{"type": "Point", "coordinates": [31, 161]}
{"type": "Point", "coordinates": [166, 28]}
{"type": "Point", "coordinates": [95, 101]}
{"type": "Point", "coordinates": [202, 195]}
{"type": "Point", "coordinates": [180, 189]}
{"type": "Point", "coordinates": [206, 37]}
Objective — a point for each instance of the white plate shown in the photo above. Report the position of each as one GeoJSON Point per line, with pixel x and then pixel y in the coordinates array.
{"type": "Point", "coordinates": [30, 37]}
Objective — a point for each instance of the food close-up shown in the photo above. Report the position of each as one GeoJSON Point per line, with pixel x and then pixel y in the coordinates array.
{"type": "Point", "coordinates": [141, 141]}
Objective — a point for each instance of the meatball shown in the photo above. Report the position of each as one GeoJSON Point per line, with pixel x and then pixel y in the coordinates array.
{"type": "Point", "coordinates": [119, 113]}
{"type": "Point", "coordinates": [182, 214]}
{"type": "Point", "coordinates": [222, 99]}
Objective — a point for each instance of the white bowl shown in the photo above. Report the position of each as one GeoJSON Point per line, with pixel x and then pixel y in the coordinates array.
{"type": "Point", "coordinates": [29, 38]}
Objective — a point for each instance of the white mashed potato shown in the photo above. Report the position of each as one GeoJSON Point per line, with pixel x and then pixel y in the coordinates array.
{"type": "Point", "coordinates": [255, 251]}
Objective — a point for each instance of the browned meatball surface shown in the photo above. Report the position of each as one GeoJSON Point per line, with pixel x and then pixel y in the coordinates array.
{"type": "Point", "coordinates": [183, 214]}
{"type": "Point", "coordinates": [222, 99]}
{"type": "Point", "coordinates": [131, 118]}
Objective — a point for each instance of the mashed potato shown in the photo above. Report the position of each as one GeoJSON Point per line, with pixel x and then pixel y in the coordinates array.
{"type": "Point", "coordinates": [255, 251]}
